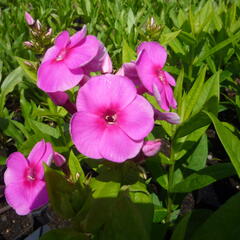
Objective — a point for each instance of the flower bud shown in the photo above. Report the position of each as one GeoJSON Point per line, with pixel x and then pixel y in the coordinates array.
{"type": "Point", "coordinates": [38, 25]}
{"type": "Point", "coordinates": [170, 117]}
{"type": "Point", "coordinates": [58, 159]}
{"type": "Point", "coordinates": [29, 19]}
{"type": "Point", "coordinates": [151, 148]}
{"type": "Point", "coordinates": [49, 33]}
{"type": "Point", "coordinates": [28, 44]}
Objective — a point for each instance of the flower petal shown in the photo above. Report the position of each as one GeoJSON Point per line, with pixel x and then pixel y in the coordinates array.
{"type": "Point", "coordinates": [37, 152]}
{"type": "Point", "coordinates": [116, 146]}
{"type": "Point", "coordinates": [83, 53]}
{"type": "Point", "coordinates": [102, 92]}
{"type": "Point", "coordinates": [86, 131]}
{"type": "Point", "coordinates": [55, 76]}
{"type": "Point", "coordinates": [136, 120]}
{"type": "Point", "coordinates": [51, 54]}
{"type": "Point", "coordinates": [62, 40]}
{"type": "Point", "coordinates": [156, 52]}
{"type": "Point", "coordinates": [170, 78]}
{"type": "Point", "coordinates": [25, 199]}
{"type": "Point", "coordinates": [78, 37]}
{"type": "Point", "coordinates": [16, 166]}
{"type": "Point", "coordinates": [145, 70]}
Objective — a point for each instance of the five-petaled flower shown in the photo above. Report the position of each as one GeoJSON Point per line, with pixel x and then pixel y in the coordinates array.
{"type": "Point", "coordinates": [24, 178]}
{"type": "Point", "coordinates": [61, 67]}
{"type": "Point", "coordinates": [151, 59]}
{"type": "Point", "coordinates": [112, 120]}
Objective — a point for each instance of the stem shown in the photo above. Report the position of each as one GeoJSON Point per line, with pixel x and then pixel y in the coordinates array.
{"type": "Point", "coordinates": [170, 186]}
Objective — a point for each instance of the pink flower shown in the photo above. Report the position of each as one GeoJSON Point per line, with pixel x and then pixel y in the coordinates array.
{"type": "Point", "coordinates": [24, 179]}
{"type": "Point", "coordinates": [61, 67]}
{"type": "Point", "coordinates": [129, 70]}
{"type": "Point", "coordinates": [112, 119]}
{"type": "Point", "coordinates": [29, 19]}
{"type": "Point", "coordinates": [101, 62]}
{"type": "Point", "coordinates": [151, 59]}
{"type": "Point", "coordinates": [151, 148]}
{"type": "Point", "coordinates": [58, 159]}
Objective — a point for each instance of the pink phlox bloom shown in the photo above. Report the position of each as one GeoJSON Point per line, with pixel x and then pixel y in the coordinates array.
{"type": "Point", "coordinates": [151, 60]}
{"type": "Point", "coordinates": [152, 147]}
{"type": "Point", "coordinates": [170, 117]}
{"type": "Point", "coordinates": [24, 178]}
{"type": "Point", "coordinates": [101, 62]}
{"type": "Point", "coordinates": [129, 70]}
{"type": "Point", "coordinates": [112, 120]}
{"type": "Point", "coordinates": [61, 67]}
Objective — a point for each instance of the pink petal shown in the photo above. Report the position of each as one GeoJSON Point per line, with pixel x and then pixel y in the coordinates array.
{"type": "Point", "coordinates": [55, 76]}
{"type": "Point", "coordinates": [62, 40]}
{"type": "Point", "coordinates": [102, 92]}
{"type": "Point", "coordinates": [59, 159]}
{"type": "Point", "coordinates": [107, 64]}
{"type": "Point", "coordinates": [170, 117]}
{"type": "Point", "coordinates": [37, 152]}
{"type": "Point", "coordinates": [48, 154]}
{"type": "Point", "coordinates": [170, 78]}
{"type": "Point", "coordinates": [116, 146]}
{"type": "Point", "coordinates": [130, 71]}
{"type": "Point", "coordinates": [78, 37]}
{"type": "Point", "coordinates": [86, 131]}
{"type": "Point", "coordinates": [145, 70]}
{"type": "Point", "coordinates": [151, 148]}
{"type": "Point", "coordinates": [59, 98]}
{"type": "Point", "coordinates": [16, 166]}
{"type": "Point", "coordinates": [136, 120]}
{"type": "Point", "coordinates": [25, 199]}
{"type": "Point", "coordinates": [156, 52]}
{"type": "Point", "coordinates": [51, 54]}
{"type": "Point", "coordinates": [83, 53]}
{"type": "Point", "coordinates": [169, 95]}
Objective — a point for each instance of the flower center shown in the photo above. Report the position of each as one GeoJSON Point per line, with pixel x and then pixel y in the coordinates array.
{"type": "Point", "coordinates": [61, 55]}
{"type": "Point", "coordinates": [31, 175]}
{"type": "Point", "coordinates": [110, 117]}
{"type": "Point", "coordinates": [161, 76]}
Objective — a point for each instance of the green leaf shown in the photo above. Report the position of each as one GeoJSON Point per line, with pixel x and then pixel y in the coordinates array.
{"type": "Point", "coordinates": [197, 159]}
{"type": "Point", "coordinates": [222, 224]}
{"type": "Point", "coordinates": [9, 84]}
{"type": "Point", "coordinates": [128, 54]}
{"type": "Point", "coordinates": [180, 229]}
{"type": "Point", "coordinates": [30, 72]}
{"type": "Point", "coordinates": [204, 177]}
{"type": "Point", "coordinates": [229, 141]}
{"type": "Point", "coordinates": [59, 192]}
{"type": "Point", "coordinates": [64, 234]}
{"type": "Point", "coordinates": [46, 129]}
{"type": "Point", "coordinates": [193, 95]}
{"type": "Point", "coordinates": [169, 37]}
{"type": "Point", "coordinates": [75, 169]}
{"type": "Point", "coordinates": [216, 48]}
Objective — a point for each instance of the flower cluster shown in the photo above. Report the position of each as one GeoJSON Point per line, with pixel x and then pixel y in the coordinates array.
{"type": "Point", "coordinates": [110, 118]}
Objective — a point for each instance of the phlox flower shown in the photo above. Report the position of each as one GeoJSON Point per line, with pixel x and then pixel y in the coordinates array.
{"type": "Point", "coordinates": [61, 67]}
{"type": "Point", "coordinates": [151, 59]}
{"type": "Point", "coordinates": [112, 120]}
{"type": "Point", "coordinates": [24, 178]}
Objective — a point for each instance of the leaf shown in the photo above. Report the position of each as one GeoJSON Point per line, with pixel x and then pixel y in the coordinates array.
{"type": "Point", "coordinates": [29, 71]}
{"type": "Point", "coordinates": [46, 129]}
{"type": "Point", "coordinates": [229, 141]}
{"type": "Point", "coordinates": [180, 229]}
{"type": "Point", "coordinates": [64, 234]}
{"type": "Point", "coordinates": [193, 95]}
{"type": "Point", "coordinates": [75, 169]}
{"type": "Point", "coordinates": [59, 192]}
{"type": "Point", "coordinates": [9, 84]}
{"type": "Point", "coordinates": [222, 224]}
{"type": "Point", "coordinates": [130, 20]}
{"type": "Point", "coordinates": [216, 48]}
{"type": "Point", "coordinates": [169, 37]}
{"type": "Point", "coordinates": [204, 177]}
{"type": "Point", "coordinates": [197, 159]}
{"type": "Point", "coordinates": [127, 53]}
